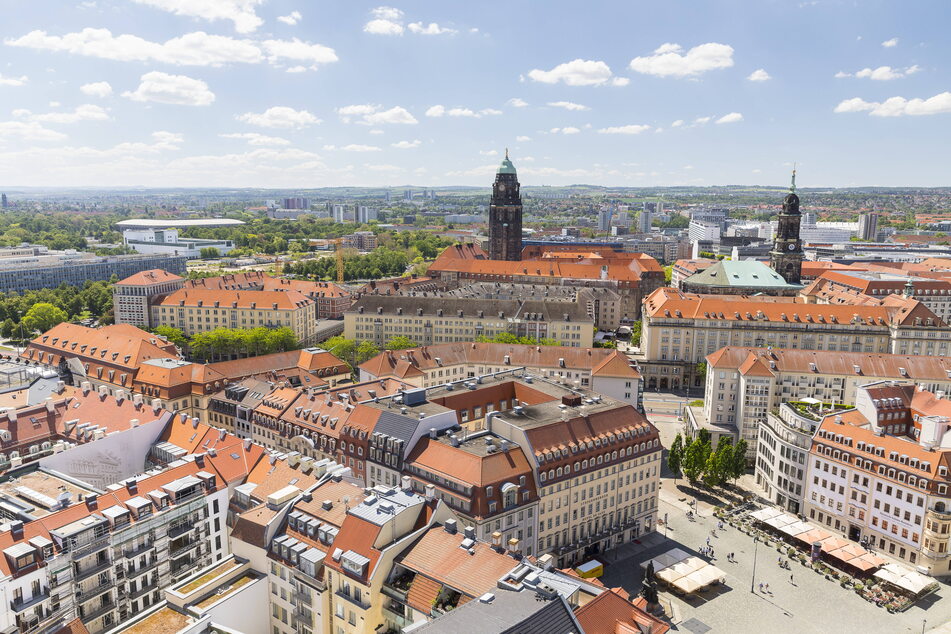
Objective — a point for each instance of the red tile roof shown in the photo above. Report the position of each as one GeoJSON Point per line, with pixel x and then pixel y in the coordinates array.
{"type": "Point", "coordinates": [154, 276]}
{"type": "Point", "coordinates": [259, 300]}
{"type": "Point", "coordinates": [612, 613]}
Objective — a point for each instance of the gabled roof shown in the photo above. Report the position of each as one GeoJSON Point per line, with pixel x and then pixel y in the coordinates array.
{"type": "Point", "coordinates": [740, 274]}
{"type": "Point", "coordinates": [115, 346]}
{"type": "Point", "coordinates": [607, 611]}
{"type": "Point", "coordinates": [260, 300]}
{"type": "Point", "coordinates": [153, 276]}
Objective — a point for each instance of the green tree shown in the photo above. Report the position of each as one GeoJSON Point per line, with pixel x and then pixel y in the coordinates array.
{"type": "Point", "coordinates": [738, 460]}
{"type": "Point", "coordinates": [668, 274]}
{"type": "Point", "coordinates": [209, 253]}
{"type": "Point", "coordinates": [43, 316]}
{"type": "Point", "coordinates": [342, 348]}
{"type": "Point", "coordinates": [7, 328]}
{"type": "Point", "coordinates": [720, 463]}
{"type": "Point", "coordinates": [636, 328]}
{"type": "Point", "coordinates": [675, 455]}
{"type": "Point", "coordinates": [400, 342]}
{"type": "Point", "coordinates": [695, 459]}
{"type": "Point", "coordinates": [702, 370]}
{"type": "Point", "coordinates": [366, 351]}
{"type": "Point", "coordinates": [174, 335]}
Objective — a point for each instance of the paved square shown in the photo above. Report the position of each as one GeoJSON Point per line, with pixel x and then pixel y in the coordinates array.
{"type": "Point", "coordinates": [807, 604]}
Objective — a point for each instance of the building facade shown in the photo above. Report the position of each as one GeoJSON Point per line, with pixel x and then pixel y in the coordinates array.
{"type": "Point", "coordinates": [786, 256]}
{"type": "Point", "coordinates": [132, 296]}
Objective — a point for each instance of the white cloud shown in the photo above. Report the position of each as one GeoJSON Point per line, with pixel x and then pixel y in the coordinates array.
{"type": "Point", "coordinates": [625, 129]}
{"type": "Point", "coordinates": [257, 139]}
{"type": "Point", "coordinates": [241, 12]}
{"type": "Point", "coordinates": [489, 152]}
{"type": "Point", "coordinates": [372, 114]}
{"type": "Point", "coordinates": [898, 106]}
{"type": "Point", "coordinates": [356, 147]}
{"type": "Point", "coordinates": [882, 73]}
{"type": "Point", "coordinates": [890, 43]}
{"type": "Point", "coordinates": [172, 89]}
{"type": "Point", "coordinates": [523, 139]}
{"type": "Point", "coordinates": [459, 111]}
{"type": "Point", "coordinates": [291, 18]}
{"type": "Point", "coordinates": [515, 102]}
{"type": "Point", "coordinates": [28, 131]}
{"type": "Point", "coordinates": [702, 120]}
{"type": "Point", "coordinates": [396, 114]}
{"type": "Point", "coordinates": [386, 22]}
{"type": "Point", "coordinates": [99, 89]}
{"type": "Point", "coordinates": [298, 51]}
{"type": "Point", "coordinates": [669, 60]}
{"type": "Point", "coordinates": [566, 130]}
{"type": "Point", "coordinates": [578, 72]}
{"type": "Point", "coordinates": [406, 145]}
{"type": "Point", "coordinates": [85, 112]}
{"type": "Point", "coordinates": [677, 123]}
{"type": "Point", "coordinates": [279, 117]}
{"type": "Point", "coordinates": [568, 105]}
{"type": "Point", "coordinates": [430, 29]}
{"type": "Point", "coordinates": [191, 49]}
{"type": "Point", "coordinates": [759, 75]}
{"type": "Point", "coordinates": [733, 117]}
{"type": "Point", "coordinates": [13, 81]}
{"type": "Point", "coordinates": [296, 69]}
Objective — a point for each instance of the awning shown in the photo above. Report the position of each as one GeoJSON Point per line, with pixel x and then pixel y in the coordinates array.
{"type": "Point", "coordinates": [833, 543]}
{"type": "Point", "coordinates": [815, 535]}
{"type": "Point", "coordinates": [780, 520]}
{"type": "Point", "coordinates": [795, 528]}
{"type": "Point", "coordinates": [765, 513]}
{"type": "Point", "coordinates": [687, 585]}
{"type": "Point", "coordinates": [665, 560]}
{"type": "Point", "coordinates": [866, 562]}
{"type": "Point", "coordinates": [847, 553]}
{"type": "Point", "coordinates": [913, 582]}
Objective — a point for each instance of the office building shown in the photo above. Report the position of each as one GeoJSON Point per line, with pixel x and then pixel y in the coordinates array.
{"type": "Point", "coordinates": [681, 329]}
{"type": "Point", "coordinates": [360, 240]}
{"type": "Point", "coordinates": [296, 203]}
{"type": "Point", "coordinates": [365, 214]}
{"type": "Point", "coordinates": [699, 231]}
{"type": "Point", "coordinates": [429, 321]}
{"type": "Point", "coordinates": [645, 218]}
{"type": "Point", "coordinates": [604, 219]}
{"type": "Point", "coordinates": [31, 273]}
{"type": "Point", "coordinates": [194, 310]}
{"type": "Point", "coordinates": [167, 241]}
{"type": "Point", "coordinates": [132, 296]}
{"type": "Point", "coordinates": [338, 213]}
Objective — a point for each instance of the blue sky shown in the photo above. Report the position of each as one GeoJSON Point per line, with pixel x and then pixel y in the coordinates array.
{"type": "Point", "coordinates": [281, 93]}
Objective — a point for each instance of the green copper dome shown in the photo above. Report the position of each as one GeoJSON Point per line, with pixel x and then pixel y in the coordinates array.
{"type": "Point", "coordinates": [506, 167]}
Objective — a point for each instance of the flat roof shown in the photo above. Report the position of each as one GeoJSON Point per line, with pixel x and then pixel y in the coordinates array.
{"type": "Point", "coordinates": [162, 621]}
{"type": "Point", "coordinates": [150, 223]}
{"type": "Point", "coordinates": [22, 491]}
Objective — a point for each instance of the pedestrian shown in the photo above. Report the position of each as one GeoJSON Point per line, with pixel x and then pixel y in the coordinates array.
{"type": "Point", "coordinates": [761, 587]}
{"type": "Point", "coordinates": [767, 589]}
{"type": "Point", "coordinates": [779, 560]}
{"type": "Point", "coordinates": [791, 580]}
{"type": "Point", "coordinates": [708, 541]}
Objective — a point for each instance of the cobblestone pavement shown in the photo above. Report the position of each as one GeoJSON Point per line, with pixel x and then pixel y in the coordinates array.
{"type": "Point", "coordinates": [807, 604]}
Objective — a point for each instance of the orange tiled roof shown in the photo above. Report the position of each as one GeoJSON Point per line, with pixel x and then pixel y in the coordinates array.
{"type": "Point", "coordinates": [358, 535]}
{"type": "Point", "coordinates": [261, 300]}
{"type": "Point", "coordinates": [154, 276]}
{"type": "Point", "coordinates": [609, 610]}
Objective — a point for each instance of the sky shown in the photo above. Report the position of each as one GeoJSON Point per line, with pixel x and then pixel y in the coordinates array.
{"type": "Point", "coordinates": [288, 93]}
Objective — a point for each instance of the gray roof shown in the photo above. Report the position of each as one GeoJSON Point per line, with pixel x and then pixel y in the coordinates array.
{"type": "Point", "coordinates": [509, 612]}
{"type": "Point", "coordinates": [396, 425]}
{"type": "Point", "coordinates": [740, 274]}
{"type": "Point", "coordinates": [150, 223]}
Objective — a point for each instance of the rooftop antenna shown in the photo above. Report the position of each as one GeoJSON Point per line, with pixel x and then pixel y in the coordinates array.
{"type": "Point", "coordinates": [792, 186]}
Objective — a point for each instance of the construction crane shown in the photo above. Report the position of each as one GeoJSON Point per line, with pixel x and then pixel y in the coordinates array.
{"type": "Point", "coordinates": [338, 249]}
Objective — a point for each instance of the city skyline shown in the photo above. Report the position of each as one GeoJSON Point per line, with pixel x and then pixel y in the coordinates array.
{"type": "Point", "coordinates": [265, 93]}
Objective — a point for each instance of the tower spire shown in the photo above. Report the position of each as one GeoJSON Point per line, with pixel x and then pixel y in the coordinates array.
{"type": "Point", "coordinates": [506, 154]}
{"type": "Point", "coordinates": [792, 186]}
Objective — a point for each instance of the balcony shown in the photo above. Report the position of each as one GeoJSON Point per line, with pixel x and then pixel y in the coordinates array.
{"type": "Point", "coordinates": [151, 587]}
{"type": "Point", "coordinates": [89, 615]}
{"type": "Point", "coordinates": [184, 549]}
{"type": "Point", "coordinates": [349, 599]}
{"type": "Point", "coordinates": [79, 575]}
{"type": "Point", "coordinates": [394, 593]}
{"type": "Point", "coordinates": [94, 591]}
{"type": "Point", "coordinates": [301, 617]}
{"type": "Point", "coordinates": [178, 531]}
{"type": "Point", "coordinates": [944, 514]}
{"type": "Point", "coordinates": [132, 573]}
{"type": "Point", "coordinates": [302, 597]}
{"type": "Point", "coordinates": [19, 605]}
{"type": "Point", "coordinates": [84, 550]}
{"type": "Point", "coordinates": [138, 550]}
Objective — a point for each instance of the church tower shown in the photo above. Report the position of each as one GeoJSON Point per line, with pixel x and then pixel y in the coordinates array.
{"type": "Point", "coordinates": [786, 256]}
{"type": "Point", "coordinates": [505, 214]}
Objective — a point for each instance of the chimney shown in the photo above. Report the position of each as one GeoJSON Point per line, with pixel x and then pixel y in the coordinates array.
{"type": "Point", "coordinates": [120, 396]}
{"type": "Point", "coordinates": [132, 486]}
{"type": "Point", "coordinates": [407, 483]}
{"type": "Point", "coordinates": [469, 532]}
{"type": "Point", "coordinates": [430, 492]}
{"type": "Point", "coordinates": [450, 526]}
{"type": "Point", "coordinates": [497, 540]}
{"type": "Point", "coordinates": [134, 422]}
{"type": "Point", "coordinates": [156, 405]}
{"type": "Point", "coordinates": [92, 501]}
{"type": "Point", "coordinates": [327, 505]}
{"type": "Point", "coordinates": [60, 386]}
{"type": "Point", "coordinates": [16, 529]}
{"type": "Point", "coordinates": [195, 422]}
{"type": "Point", "coordinates": [86, 387]}
{"type": "Point", "coordinates": [515, 548]}
{"type": "Point", "coordinates": [200, 459]}
{"type": "Point", "coordinates": [546, 562]}
{"type": "Point", "coordinates": [247, 444]}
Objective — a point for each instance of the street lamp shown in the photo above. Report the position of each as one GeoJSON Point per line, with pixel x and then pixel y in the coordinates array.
{"type": "Point", "coordinates": [665, 525]}
{"type": "Point", "coordinates": [753, 578]}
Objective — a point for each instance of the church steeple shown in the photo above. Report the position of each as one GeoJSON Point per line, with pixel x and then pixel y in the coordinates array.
{"type": "Point", "coordinates": [786, 256]}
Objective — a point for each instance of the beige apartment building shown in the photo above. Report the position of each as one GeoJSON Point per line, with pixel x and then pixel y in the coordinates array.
{"type": "Point", "coordinates": [202, 310]}
{"type": "Point", "coordinates": [430, 320]}
{"type": "Point", "coordinates": [744, 384]}
{"type": "Point", "coordinates": [681, 329]}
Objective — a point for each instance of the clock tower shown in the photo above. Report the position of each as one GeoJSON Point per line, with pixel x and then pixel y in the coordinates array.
{"type": "Point", "coordinates": [786, 256]}
{"type": "Point", "coordinates": [505, 214]}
